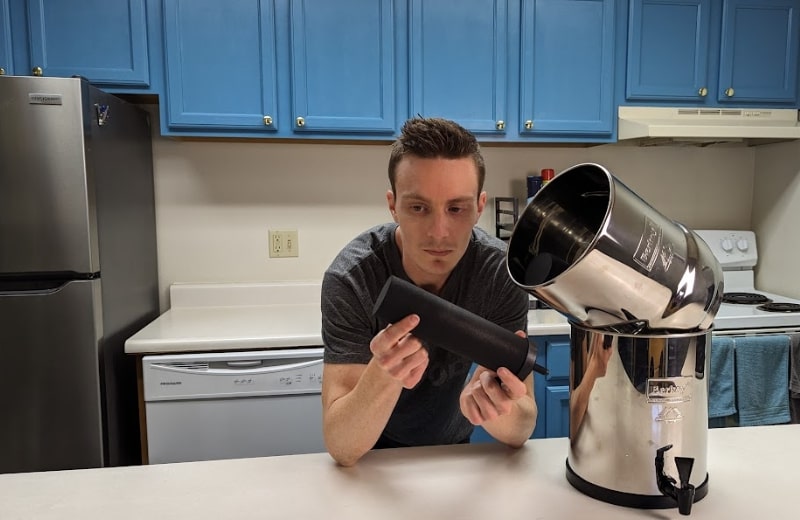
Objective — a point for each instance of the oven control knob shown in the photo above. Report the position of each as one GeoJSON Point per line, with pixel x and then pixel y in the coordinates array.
{"type": "Point", "coordinates": [742, 244]}
{"type": "Point", "coordinates": [726, 245]}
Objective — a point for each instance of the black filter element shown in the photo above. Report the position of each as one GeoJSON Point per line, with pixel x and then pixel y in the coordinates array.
{"type": "Point", "coordinates": [457, 330]}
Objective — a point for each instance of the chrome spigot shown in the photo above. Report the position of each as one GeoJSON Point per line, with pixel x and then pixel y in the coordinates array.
{"type": "Point", "coordinates": [683, 495]}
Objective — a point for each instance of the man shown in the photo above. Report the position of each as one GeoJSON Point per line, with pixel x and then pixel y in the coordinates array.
{"type": "Point", "coordinates": [381, 386]}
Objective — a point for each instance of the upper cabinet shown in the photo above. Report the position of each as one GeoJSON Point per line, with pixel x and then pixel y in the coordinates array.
{"type": "Point", "coordinates": [702, 52]}
{"type": "Point", "coordinates": [105, 42]}
{"type": "Point", "coordinates": [515, 70]}
{"type": "Point", "coordinates": [342, 66]}
{"type": "Point", "coordinates": [221, 65]}
{"type": "Point", "coordinates": [567, 68]}
{"type": "Point", "coordinates": [668, 49]}
{"type": "Point", "coordinates": [759, 51]}
{"type": "Point", "coordinates": [458, 63]}
{"type": "Point", "coordinates": [508, 70]}
{"type": "Point", "coordinates": [228, 73]}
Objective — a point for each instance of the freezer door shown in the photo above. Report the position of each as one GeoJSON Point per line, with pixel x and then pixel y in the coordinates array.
{"type": "Point", "coordinates": [49, 379]}
{"type": "Point", "coordinates": [47, 209]}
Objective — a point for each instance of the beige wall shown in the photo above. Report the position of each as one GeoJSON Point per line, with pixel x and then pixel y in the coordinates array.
{"type": "Point", "coordinates": [776, 218]}
{"type": "Point", "coordinates": [216, 201]}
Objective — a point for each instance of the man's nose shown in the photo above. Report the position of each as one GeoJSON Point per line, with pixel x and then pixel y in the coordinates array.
{"type": "Point", "coordinates": [440, 225]}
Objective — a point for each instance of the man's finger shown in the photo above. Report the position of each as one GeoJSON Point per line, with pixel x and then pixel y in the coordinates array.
{"type": "Point", "coordinates": [394, 332]}
{"type": "Point", "coordinates": [510, 383]}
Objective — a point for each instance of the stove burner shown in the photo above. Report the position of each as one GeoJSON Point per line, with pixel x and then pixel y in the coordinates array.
{"type": "Point", "coordinates": [744, 298]}
{"type": "Point", "coordinates": [779, 307]}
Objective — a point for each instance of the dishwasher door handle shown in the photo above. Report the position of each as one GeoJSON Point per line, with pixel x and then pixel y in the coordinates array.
{"type": "Point", "coordinates": [244, 364]}
{"type": "Point", "coordinates": [194, 369]}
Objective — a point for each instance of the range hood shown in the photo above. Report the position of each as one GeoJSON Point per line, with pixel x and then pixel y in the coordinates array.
{"type": "Point", "coordinates": [703, 126]}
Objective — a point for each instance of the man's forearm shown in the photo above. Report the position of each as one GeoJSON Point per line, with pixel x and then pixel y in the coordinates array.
{"type": "Point", "coordinates": [355, 421]}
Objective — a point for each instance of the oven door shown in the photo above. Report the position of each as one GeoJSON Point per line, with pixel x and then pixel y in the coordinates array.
{"type": "Point", "coordinates": [753, 377]}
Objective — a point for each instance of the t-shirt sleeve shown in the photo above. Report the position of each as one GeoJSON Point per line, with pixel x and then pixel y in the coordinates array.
{"type": "Point", "coordinates": [347, 325]}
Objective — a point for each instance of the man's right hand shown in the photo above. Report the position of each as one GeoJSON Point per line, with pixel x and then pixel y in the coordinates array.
{"type": "Point", "coordinates": [399, 353]}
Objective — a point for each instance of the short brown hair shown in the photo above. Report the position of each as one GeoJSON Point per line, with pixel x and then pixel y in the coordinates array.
{"type": "Point", "coordinates": [433, 137]}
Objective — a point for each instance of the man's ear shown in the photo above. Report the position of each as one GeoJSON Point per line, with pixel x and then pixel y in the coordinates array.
{"type": "Point", "coordinates": [391, 201]}
{"type": "Point", "coordinates": [481, 203]}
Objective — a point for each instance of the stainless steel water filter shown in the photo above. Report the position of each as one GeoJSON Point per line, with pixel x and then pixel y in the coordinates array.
{"type": "Point", "coordinates": [635, 400]}
{"type": "Point", "coordinates": [593, 250]}
{"type": "Point", "coordinates": [641, 292]}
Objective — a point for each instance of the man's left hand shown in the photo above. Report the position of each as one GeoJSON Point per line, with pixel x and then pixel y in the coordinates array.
{"type": "Point", "coordinates": [485, 398]}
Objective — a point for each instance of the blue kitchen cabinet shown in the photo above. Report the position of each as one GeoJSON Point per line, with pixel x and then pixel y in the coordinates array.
{"type": "Point", "coordinates": [701, 52]}
{"type": "Point", "coordinates": [221, 65]}
{"type": "Point", "coordinates": [458, 63]}
{"type": "Point", "coordinates": [551, 391]}
{"type": "Point", "coordinates": [105, 42]}
{"type": "Point", "coordinates": [567, 68]}
{"type": "Point", "coordinates": [283, 68]}
{"type": "Point", "coordinates": [557, 411]}
{"type": "Point", "coordinates": [342, 66]}
{"type": "Point", "coordinates": [6, 59]}
{"type": "Point", "coordinates": [759, 51]}
{"type": "Point", "coordinates": [668, 49]}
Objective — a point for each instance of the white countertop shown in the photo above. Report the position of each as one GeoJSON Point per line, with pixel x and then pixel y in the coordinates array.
{"type": "Point", "coordinates": [752, 474]}
{"type": "Point", "coordinates": [219, 317]}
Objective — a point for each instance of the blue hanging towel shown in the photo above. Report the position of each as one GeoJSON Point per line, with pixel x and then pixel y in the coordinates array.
{"type": "Point", "coordinates": [721, 392]}
{"type": "Point", "coordinates": [762, 379]}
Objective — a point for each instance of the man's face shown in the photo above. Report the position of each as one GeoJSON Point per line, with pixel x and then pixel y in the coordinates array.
{"type": "Point", "coordinates": [436, 205]}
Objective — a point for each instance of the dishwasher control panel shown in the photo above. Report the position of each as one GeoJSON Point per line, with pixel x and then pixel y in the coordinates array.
{"type": "Point", "coordinates": [221, 375]}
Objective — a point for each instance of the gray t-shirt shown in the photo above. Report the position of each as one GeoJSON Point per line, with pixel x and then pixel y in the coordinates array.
{"type": "Point", "coordinates": [429, 413]}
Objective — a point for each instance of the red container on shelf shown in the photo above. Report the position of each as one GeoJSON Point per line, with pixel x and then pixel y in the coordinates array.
{"type": "Point", "coordinates": [547, 175]}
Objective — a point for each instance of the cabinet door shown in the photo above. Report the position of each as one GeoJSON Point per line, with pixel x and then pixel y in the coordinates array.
{"type": "Point", "coordinates": [106, 42]}
{"type": "Point", "coordinates": [557, 411]}
{"type": "Point", "coordinates": [668, 49]}
{"type": "Point", "coordinates": [342, 65]}
{"type": "Point", "coordinates": [553, 353]}
{"type": "Point", "coordinates": [5, 39]}
{"type": "Point", "coordinates": [220, 64]}
{"type": "Point", "coordinates": [567, 67]}
{"type": "Point", "coordinates": [759, 51]}
{"type": "Point", "coordinates": [458, 61]}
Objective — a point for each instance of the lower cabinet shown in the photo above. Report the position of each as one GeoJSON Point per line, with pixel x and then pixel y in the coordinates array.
{"type": "Point", "coordinates": [551, 391]}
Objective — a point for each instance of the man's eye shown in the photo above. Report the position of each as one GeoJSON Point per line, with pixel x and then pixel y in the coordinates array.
{"type": "Point", "coordinates": [417, 208]}
{"type": "Point", "coordinates": [456, 209]}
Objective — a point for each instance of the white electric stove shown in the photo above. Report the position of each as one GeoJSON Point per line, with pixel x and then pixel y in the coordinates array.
{"type": "Point", "coordinates": [744, 308]}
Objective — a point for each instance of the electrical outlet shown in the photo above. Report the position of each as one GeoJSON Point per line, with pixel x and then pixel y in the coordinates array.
{"type": "Point", "coordinates": [283, 243]}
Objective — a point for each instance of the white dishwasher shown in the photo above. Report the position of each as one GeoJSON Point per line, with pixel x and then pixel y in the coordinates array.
{"type": "Point", "coordinates": [233, 404]}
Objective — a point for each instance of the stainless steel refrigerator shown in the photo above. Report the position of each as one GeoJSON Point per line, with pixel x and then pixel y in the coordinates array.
{"type": "Point", "coordinates": [78, 273]}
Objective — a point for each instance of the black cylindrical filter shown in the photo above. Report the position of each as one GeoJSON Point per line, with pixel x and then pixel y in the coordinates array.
{"type": "Point", "coordinates": [457, 330]}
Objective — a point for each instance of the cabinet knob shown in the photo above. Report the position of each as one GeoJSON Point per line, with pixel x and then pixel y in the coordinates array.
{"type": "Point", "coordinates": [500, 125]}
{"type": "Point", "coordinates": [300, 122]}
{"type": "Point", "coordinates": [729, 92]}
{"type": "Point", "coordinates": [268, 120]}
{"type": "Point", "coordinates": [528, 124]}
{"type": "Point", "coordinates": [703, 92]}
{"type": "Point", "coordinates": [37, 71]}
{"type": "Point", "coordinates": [2, 71]}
